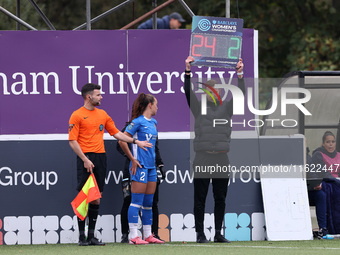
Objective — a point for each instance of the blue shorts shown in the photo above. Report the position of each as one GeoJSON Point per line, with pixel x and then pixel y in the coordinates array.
{"type": "Point", "coordinates": [144, 175]}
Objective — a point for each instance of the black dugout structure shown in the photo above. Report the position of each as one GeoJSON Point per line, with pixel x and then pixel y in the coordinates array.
{"type": "Point", "coordinates": [324, 89]}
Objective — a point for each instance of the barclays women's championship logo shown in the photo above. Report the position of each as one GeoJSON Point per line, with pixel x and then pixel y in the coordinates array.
{"type": "Point", "coordinates": [204, 25]}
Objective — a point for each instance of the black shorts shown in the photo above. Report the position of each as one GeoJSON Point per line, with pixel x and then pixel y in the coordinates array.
{"type": "Point", "coordinates": [99, 161]}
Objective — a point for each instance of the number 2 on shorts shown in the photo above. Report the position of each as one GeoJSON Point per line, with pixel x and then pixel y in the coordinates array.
{"type": "Point", "coordinates": [142, 176]}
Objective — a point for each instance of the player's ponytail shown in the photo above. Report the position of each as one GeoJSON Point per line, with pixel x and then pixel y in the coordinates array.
{"type": "Point", "coordinates": [140, 104]}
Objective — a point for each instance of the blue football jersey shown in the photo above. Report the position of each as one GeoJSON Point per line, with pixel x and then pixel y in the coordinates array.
{"type": "Point", "coordinates": [144, 130]}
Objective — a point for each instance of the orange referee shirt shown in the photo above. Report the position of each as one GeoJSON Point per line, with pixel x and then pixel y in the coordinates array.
{"type": "Point", "coordinates": [87, 127]}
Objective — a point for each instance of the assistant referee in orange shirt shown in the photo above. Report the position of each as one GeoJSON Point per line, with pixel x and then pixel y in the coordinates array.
{"type": "Point", "coordinates": [86, 132]}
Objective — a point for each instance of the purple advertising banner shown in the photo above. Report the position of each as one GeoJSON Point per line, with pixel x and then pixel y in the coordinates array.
{"type": "Point", "coordinates": [42, 72]}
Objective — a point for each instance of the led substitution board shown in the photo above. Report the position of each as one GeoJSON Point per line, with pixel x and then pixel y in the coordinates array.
{"type": "Point", "coordinates": [216, 41]}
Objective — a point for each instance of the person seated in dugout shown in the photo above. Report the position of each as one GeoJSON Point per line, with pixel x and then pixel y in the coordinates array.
{"type": "Point", "coordinates": [323, 185]}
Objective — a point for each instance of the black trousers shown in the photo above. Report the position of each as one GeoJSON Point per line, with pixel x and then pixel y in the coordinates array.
{"type": "Point", "coordinates": [201, 186]}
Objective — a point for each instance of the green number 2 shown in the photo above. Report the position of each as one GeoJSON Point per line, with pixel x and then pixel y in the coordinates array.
{"type": "Point", "coordinates": [237, 47]}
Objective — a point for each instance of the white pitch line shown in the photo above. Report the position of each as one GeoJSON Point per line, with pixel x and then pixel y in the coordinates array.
{"type": "Point", "coordinates": [240, 246]}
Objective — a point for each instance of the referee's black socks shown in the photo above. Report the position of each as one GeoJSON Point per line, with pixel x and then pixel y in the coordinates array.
{"type": "Point", "coordinates": [81, 227]}
{"type": "Point", "coordinates": [92, 214]}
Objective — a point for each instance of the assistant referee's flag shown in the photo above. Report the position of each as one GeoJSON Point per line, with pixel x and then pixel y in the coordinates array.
{"type": "Point", "coordinates": [88, 193]}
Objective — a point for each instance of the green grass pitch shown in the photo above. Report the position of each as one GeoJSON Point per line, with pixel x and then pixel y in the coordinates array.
{"type": "Point", "coordinates": [254, 247]}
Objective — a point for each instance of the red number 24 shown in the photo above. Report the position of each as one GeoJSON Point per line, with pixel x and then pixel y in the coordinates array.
{"type": "Point", "coordinates": [205, 39]}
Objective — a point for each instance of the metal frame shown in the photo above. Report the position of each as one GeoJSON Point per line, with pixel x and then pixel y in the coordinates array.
{"type": "Point", "coordinates": [90, 21]}
{"type": "Point", "coordinates": [302, 75]}
{"type": "Point", "coordinates": [103, 15]}
{"type": "Point", "coordinates": [160, 7]}
{"type": "Point", "coordinates": [17, 19]}
{"type": "Point", "coordinates": [18, 13]}
{"type": "Point", "coordinates": [42, 15]}
{"type": "Point", "coordinates": [302, 84]}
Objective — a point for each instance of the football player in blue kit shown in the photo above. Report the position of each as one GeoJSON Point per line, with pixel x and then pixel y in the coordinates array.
{"type": "Point", "coordinates": [142, 167]}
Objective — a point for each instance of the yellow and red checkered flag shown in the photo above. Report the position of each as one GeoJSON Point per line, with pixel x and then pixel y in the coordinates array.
{"type": "Point", "coordinates": [88, 193]}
